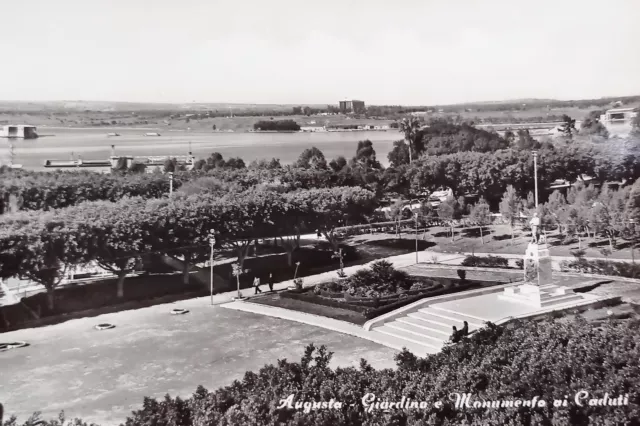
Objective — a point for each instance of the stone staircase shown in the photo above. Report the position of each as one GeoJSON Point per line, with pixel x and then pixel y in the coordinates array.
{"type": "Point", "coordinates": [424, 330]}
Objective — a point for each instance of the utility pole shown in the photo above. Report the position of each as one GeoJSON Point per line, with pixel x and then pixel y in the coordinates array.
{"type": "Point", "coordinates": [212, 243]}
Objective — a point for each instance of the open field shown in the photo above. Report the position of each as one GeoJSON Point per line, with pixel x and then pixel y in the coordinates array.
{"type": "Point", "coordinates": [103, 375]}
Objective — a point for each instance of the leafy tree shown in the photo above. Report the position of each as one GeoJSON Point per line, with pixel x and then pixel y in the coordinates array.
{"type": "Point", "coordinates": [366, 156]}
{"type": "Point", "coordinates": [399, 155]}
{"type": "Point", "coordinates": [510, 207]}
{"type": "Point", "coordinates": [311, 158]}
{"type": "Point", "coordinates": [235, 163]}
{"type": "Point", "coordinates": [526, 141]}
{"type": "Point", "coordinates": [481, 215]}
{"type": "Point", "coordinates": [568, 127]}
{"type": "Point", "coordinates": [450, 211]}
{"type": "Point", "coordinates": [277, 126]}
{"type": "Point", "coordinates": [338, 164]}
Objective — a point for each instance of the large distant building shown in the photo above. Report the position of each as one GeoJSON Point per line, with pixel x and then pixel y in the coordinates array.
{"type": "Point", "coordinates": [352, 107]}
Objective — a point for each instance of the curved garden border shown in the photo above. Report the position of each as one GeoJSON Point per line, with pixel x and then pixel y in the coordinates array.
{"type": "Point", "coordinates": [104, 326]}
{"type": "Point", "coordinates": [12, 345]}
{"type": "Point", "coordinates": [179, 311]}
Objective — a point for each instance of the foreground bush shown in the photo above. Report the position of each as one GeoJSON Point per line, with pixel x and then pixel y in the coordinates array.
{"type": "Point", "coordinates": [548, 359]}
{"type": "Point", "coordinates": [602, 267]}
{"type": "Point", "coordinates": [486, 262]}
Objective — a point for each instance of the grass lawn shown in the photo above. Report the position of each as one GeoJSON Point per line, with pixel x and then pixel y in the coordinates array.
{"type": "Point", "coordinates": [103, 375]}
{"type": "Point", "coordinates": [497, 239]}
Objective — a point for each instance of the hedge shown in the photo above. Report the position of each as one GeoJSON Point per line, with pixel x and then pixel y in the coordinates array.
{"type": "Point", "coordinates": [486, 262]}
{"type": "Point", "coordinates": [602, 267]}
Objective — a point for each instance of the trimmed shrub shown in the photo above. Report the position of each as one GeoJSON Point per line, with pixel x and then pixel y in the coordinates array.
{"type": "Point", "coordinates": [486, 262]}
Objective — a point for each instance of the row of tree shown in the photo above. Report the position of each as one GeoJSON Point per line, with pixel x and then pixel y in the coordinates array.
{"type": "Point", "coordinates": [474, 166]}
{"type": "Point", "coordinates": [41, 246]}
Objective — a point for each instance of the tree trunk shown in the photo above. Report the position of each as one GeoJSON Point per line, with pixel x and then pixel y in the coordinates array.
{"type": "Point", "coordinates": [513, 233]}
{"type": "Point", "coordinates": [289, 257]}
{"type": "Point", "coordinates": [50, 298]}
{"type": "Point", "coordinates": [610, 243]}
{"type": "Point", "coordinates": [185, 270]}
{"type": "Point", "coordinates": [481, 236]}
{"type": "Point", "coordinates": [452, 234]}
{"type": "Point", "coordinates": [121, 276]}
{"type": "Point", "coordinates": [579, 242]}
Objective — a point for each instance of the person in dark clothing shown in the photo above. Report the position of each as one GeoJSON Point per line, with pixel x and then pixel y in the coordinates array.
{"type": "Point", "coordinates": [256, 284]}
{"type": "Point", "coordinates": [465, 330]}
{"type": "Point", "coordinates": [270, 282]}
{"type": "Point", "coordinates": [455, 336]}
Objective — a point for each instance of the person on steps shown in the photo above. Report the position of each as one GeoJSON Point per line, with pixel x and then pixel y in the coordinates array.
{"type": "Point", "coordinates": [465, 330]}
{"type": "Point", "coordinates": [455, 336]}
{"type": "Point", "coordinates": [270, 281]}
{"type": "Point", "coordinates": [256, 284]}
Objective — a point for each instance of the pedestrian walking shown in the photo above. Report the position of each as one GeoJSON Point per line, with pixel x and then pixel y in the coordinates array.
{"type": "Point", "coordinates": [256, 284]}
{"type": "Point", "coordinates": [270, 281]}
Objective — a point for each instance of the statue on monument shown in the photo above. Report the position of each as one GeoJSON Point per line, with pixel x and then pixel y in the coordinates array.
{"type": "Point", "coordinates": [535, 228]}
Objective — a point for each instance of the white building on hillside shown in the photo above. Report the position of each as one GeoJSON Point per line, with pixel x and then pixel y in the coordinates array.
{"type": "Point", "coordinates": [619, 121]}
{"type": "Point", "coordinates": [23, 131]}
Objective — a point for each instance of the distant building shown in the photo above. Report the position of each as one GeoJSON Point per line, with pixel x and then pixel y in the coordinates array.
{"type": "Point", "coordinates": [151, 164]}
{"type": "Point", "coordinates": [23, 131]}
{"type": "Point", "coordinates": [619, 115]}
{"type": "Point", "coordinates": [312, 129]}
{"type": "Point", "coordinates": [619, 121]}
{"type": "Point", "coordinates": [352, 107]}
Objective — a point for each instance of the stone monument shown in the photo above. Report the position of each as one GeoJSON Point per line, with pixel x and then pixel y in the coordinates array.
{"type": "Point", "coordinates": [539, 289]}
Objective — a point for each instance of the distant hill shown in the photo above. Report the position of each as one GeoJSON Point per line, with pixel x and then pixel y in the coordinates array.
{"type": "Point", "coordinates": [95, 106]}
{"type": "Point", "coordinates": [137, 106]}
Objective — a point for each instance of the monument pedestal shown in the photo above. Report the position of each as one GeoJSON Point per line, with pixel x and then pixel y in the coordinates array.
{"type": "Point", "coordinates": [539, 289]}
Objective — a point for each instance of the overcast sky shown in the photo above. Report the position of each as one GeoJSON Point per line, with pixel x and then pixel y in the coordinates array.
{"type": "Point", "coordinates": [420, 52]}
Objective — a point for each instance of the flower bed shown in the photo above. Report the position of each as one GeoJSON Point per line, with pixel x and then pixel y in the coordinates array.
{"type": "Point", "coordinates": [378, 290]}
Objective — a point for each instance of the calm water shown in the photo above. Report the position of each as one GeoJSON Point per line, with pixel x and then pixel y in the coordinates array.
{"type": "Point", "coordinates": [94, 144]}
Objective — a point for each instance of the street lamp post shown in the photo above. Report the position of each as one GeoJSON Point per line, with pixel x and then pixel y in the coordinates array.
{"type": "Point", "coordinates": [212, 243]}
{"type": "Point", "coordinates": [415, 214]}
{"type": "Point", "coordinates": [535, 176]}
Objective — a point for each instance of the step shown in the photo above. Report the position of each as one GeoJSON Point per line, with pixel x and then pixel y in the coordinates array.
{"type": "Point", "coordinates": [432, 327]}
{"type": "Point", "coordinates": [545, 302]}
{"type": "Point", "coordinates": [560, 300]}
{"type": "Point", "coordinates": [464, 317]}
{"type": "Point", "coordinates": [423, 333]}
{"type": "Point", "coordinates": [409, 337]}
{"type": "Point", "coordinates": [451, 318]}
{"type": "Point", "coordinates": [399, 343]}
{"type": "Point", "coordinates": [439, 322]}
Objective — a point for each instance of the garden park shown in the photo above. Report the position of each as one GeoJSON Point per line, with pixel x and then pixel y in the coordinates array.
{"type": "Point", "coordinates": [317, 218]}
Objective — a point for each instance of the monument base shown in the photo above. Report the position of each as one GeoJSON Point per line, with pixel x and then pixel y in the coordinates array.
{"type": "Point", "coordinates": [541, 296]}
